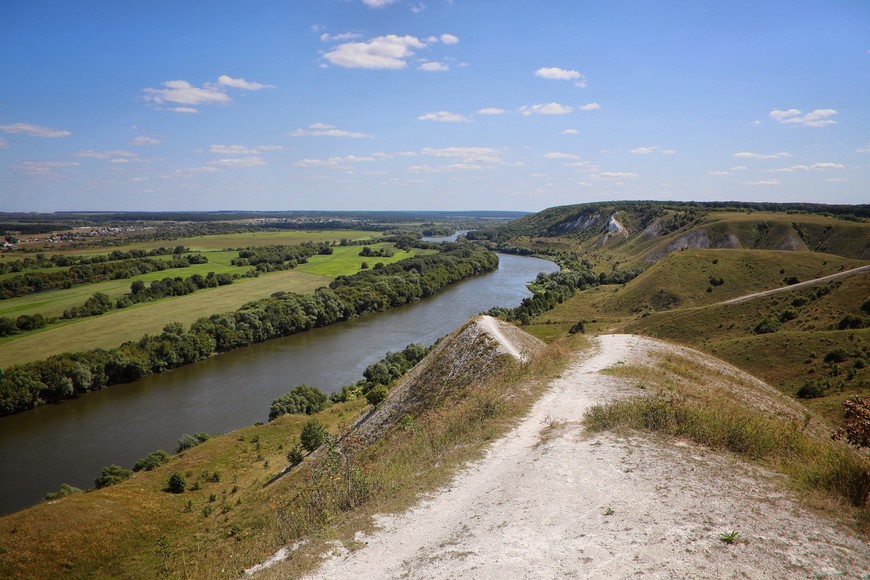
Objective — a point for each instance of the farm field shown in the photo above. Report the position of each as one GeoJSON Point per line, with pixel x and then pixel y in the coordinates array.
{"type": "Point", "coordinates": [117, 326]}
{"type": "Point", "coordinates": [346, 260]}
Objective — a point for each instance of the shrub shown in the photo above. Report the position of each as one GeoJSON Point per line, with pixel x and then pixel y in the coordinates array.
{"type": "Point", "coordinates": [856, 431]}
{"type": "Point", "coordinates": [111, 475]}
{"type": "Point", "coordinates": [837, 355]}
{"type": "Point", "coordinates": [787, 314]}
{"type": "Point", "coordinates": [377, 395]}
{"type": "Point", "coordinates": [177, 483]}
{"type": "Point", "coordinates": [186, 441]}
{"type": "Point", "coordinates": [295, 456]}
{"type": "Point", "coordinates": [851, 321]}
{"type": "Point", "coordinates": [64, 490]}
{"type": "Point", "coordinates": [151, 461]}
{"type": "Point", "coordinates": [301, 400]}
{"type": "Point", "coordinates": [313, 435]}
{"type": "Point", "coordinates": [766, 326]}
{"type": "Point", "coordinates": [811, 390]}
{"type": "Point", "coordinates": [579, 327]}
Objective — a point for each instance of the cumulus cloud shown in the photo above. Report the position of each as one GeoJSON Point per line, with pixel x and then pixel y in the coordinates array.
{"type": "Point", "coordinates": [433, 66]}
{"type": "Point", "coordinates": [143, 140]}
{"type": "Point", "coordinates": [750, 155]}
{"type": "Point", "coordinates": [570, 132]}
{"type": "Point", "coordinates": [383, 52]}
{"type": "Point", "coordinates": [466, 154]}
{"type": "Point", "coordinates": [183, 93]}
{"type": "Point", "coordinates": [227, 81]}
{"type": "Point", "coordinates": [559, 155]}
{"type": "Point", "coordinates": [817, 118]}
{"type": "Point", "coordinates": [444, 117]}
{"type": "Point", "coordinates": [324, 130]}
{"type": "Point", "coordinates": [239, 162]}
{"type": "Point", "coordinates": [561, 74]}
{"type": "Point", "coordinates": [333, 162]}
{"type": "Point", "coordinates": [491, 111]}
{"type": "Point", "coordinates": [449, 39]}
{"type": "Point", "coordinates": [545, 109]}
{"type": "Point", "coordinates": [590, 107]}
{"type": "Point", "coordinates": [241, 149]}
{"type": "Point", "coordinates": [105, 154]}
{"type": "Point", "coordinates": [42, 168]}
{"type": "Point", "coordinates": [651, 150]}
{"type": "Point", "coordinates": [34, 130]}
{"type": "Point", "coordinates": [614, 175]}
{"type": "Point", "coordinates": [763, 182]}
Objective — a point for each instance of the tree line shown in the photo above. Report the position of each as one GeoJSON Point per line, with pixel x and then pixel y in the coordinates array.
{"type": "Point", "coordinates": [66, 375]}
{"type": "Point", "coordinates": [40, 260]}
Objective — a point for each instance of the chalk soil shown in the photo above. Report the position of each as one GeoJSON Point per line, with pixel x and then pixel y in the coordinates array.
{"type": "Point", "coordinates": [550, 501]}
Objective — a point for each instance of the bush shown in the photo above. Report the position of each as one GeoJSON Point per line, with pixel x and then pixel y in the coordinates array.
{"type": "Point", "coordinates": [186, 441]}
{"type": "Point", "coordinates": [301, 400]}
{"type": "Point", "coordinates": [64, 490]}
{"type": "Point", "coordinates": [377, 395]}
{"type": "Point", "coordinates": [111, 475]}
{"type": "Point", "coordinates": [766, 326]}
{"type": "Point", "coordinates": [313, 435]}
{"type": "Point", "coordinates": [857, 429]}
{"type": "Point", "coordinates": [851, 321]}
{"type": "Point", "coordinates": [837, 355]}
{"type": "Point", "coordinates": [177, 483]}
{"type": "Point", "coordinates": [295, 456]}
{"type": "Point", "coordinates": [151, 461]}
{"type": "Point", "coordinates": [811, 390]}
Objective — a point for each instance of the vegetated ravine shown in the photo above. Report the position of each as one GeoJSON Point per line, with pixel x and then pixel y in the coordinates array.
{"type": "Point", "coordinates": [69, 442]}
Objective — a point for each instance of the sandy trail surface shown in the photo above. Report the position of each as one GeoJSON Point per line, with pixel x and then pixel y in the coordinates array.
{"type": "Point", "coordinates": [550, 501]}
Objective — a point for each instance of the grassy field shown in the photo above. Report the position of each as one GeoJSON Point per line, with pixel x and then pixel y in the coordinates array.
{"type": "Point", "coordinates": [205, 243]}
{"type": "Point", "coordinates": [346, 260]}
{"type": "Point", "coordinates": [117, 326]}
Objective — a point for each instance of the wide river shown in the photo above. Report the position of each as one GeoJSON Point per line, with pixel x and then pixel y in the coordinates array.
{"type": "Point", "coordinates": [69, 442]}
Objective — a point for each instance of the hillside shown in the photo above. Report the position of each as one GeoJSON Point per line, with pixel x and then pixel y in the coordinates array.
{"type": "Point", "coordinates": [640, 233]}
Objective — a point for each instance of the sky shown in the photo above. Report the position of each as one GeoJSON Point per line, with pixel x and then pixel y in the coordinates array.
{"type": "Point", "coordinates": [430, 104]}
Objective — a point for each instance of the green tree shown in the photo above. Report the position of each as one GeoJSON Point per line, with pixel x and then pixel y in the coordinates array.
{"type": "Point", "coordinates": [313, 435]}
{"type": "Point", "coordinates": [377, 395]}
{"type": "Point", "coordinates": [177, 483]}
{"type": "Point", "coordinates": [111, 475]}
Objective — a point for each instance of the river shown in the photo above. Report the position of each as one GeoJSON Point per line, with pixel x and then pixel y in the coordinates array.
{"type": "Point", "coordinates": [70, 442]}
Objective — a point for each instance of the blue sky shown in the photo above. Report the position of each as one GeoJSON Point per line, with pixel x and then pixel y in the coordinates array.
{"type": "Point", "coordinates": [430, 104]}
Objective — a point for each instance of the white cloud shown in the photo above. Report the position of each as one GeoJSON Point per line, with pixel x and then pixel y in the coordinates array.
{"type": "Point", "coordinates": [590, 107]}
{"type": "Point", "coordinates": [418, 8]}
{"type": "Point", "coordinates": [334, 162]}
{"type": "Point", "coordinates": [4, 144]}
{"type": "Point", "coordinates": [378, 3]}
{"type": "Point", "coordinates": [444, 117]}
{"type": "Point", "coordinates": [34, 130]}
{"type": "Point", "coordinates": [570, 132]}
{"type": "Point", "coordinates": [143, 140]}
{"type": "Point", "coordinates": [240, 162]}
{"type": "Point", "coordinates": [383, 52]}
{"type": "Point", "coordinates": [749, 155]}
{"type": "Point", "coordinates": [739, 168]}
{"type": "Point", "coordinates": [227, 81]}
{"type": "Point", "coordinates": [42, 168]}
{"type": "Point", "coordinates": [827, 165]}
{"type": "Point", "coordinates": [817, 118]}
{"type": "Point", "coordinates": [719, 173]}
{"type": "Point", "coordinates": [432, 66]}
{"type": "Point", "coordinates": [763, 182]}
{"type": "Point", "coordinates": [558, 155]}
{"type": "Point", "coordinates": [560, 74]}
{"type": "Point", "coordinates": [104, 154]}
{"type": "Point", "coordinates": [449, 39]}
{"type": "Point", "coordinates": [466, 154]}
{"type": "Point", "coordinates": [491, 111]}
{"type": "Point", "coordinates": [324, 130]}
{"type": "Point", "coordinates": [865, 149]}
{"type": "Point", "coordinates": [614, 175]}
{"type": "Point", "coordinates": [836, 179]}
{"type": "Point", "coordinates": [754, 123]}
{"type": "Point", "coordinates": [651, 150]}
{"type": "Point", "coordinates": [184, 93]}
{"type": "Point", "coordinates": [326, 37]}
{"type": "Point", "coordinates": [241, 149]}
{"type": "Point", "coordinates": [545, 109]}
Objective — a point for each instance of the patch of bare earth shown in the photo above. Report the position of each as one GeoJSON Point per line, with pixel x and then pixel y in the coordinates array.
{"type": "Point", "coordinates": [550, 501]}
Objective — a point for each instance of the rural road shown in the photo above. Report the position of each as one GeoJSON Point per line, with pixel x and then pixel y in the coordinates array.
{"type": "Point", "coordinates": [812, 282]}
{"type": "Point", "coordinates": [549, 500]}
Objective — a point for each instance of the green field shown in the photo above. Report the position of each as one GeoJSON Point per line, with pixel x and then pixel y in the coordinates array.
{"type": "Point", "coordinates": [346, 260]}
{"type": "Point", "coordinates": [117, 326]}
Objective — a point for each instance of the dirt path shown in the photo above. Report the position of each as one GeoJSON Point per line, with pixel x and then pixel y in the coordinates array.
{"type": "Point", "coordinates": [489, 324]}
{"type": "Point", "coordinates": [549, 501]}
{"type": "Point", "coordinates": [813, 282]}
